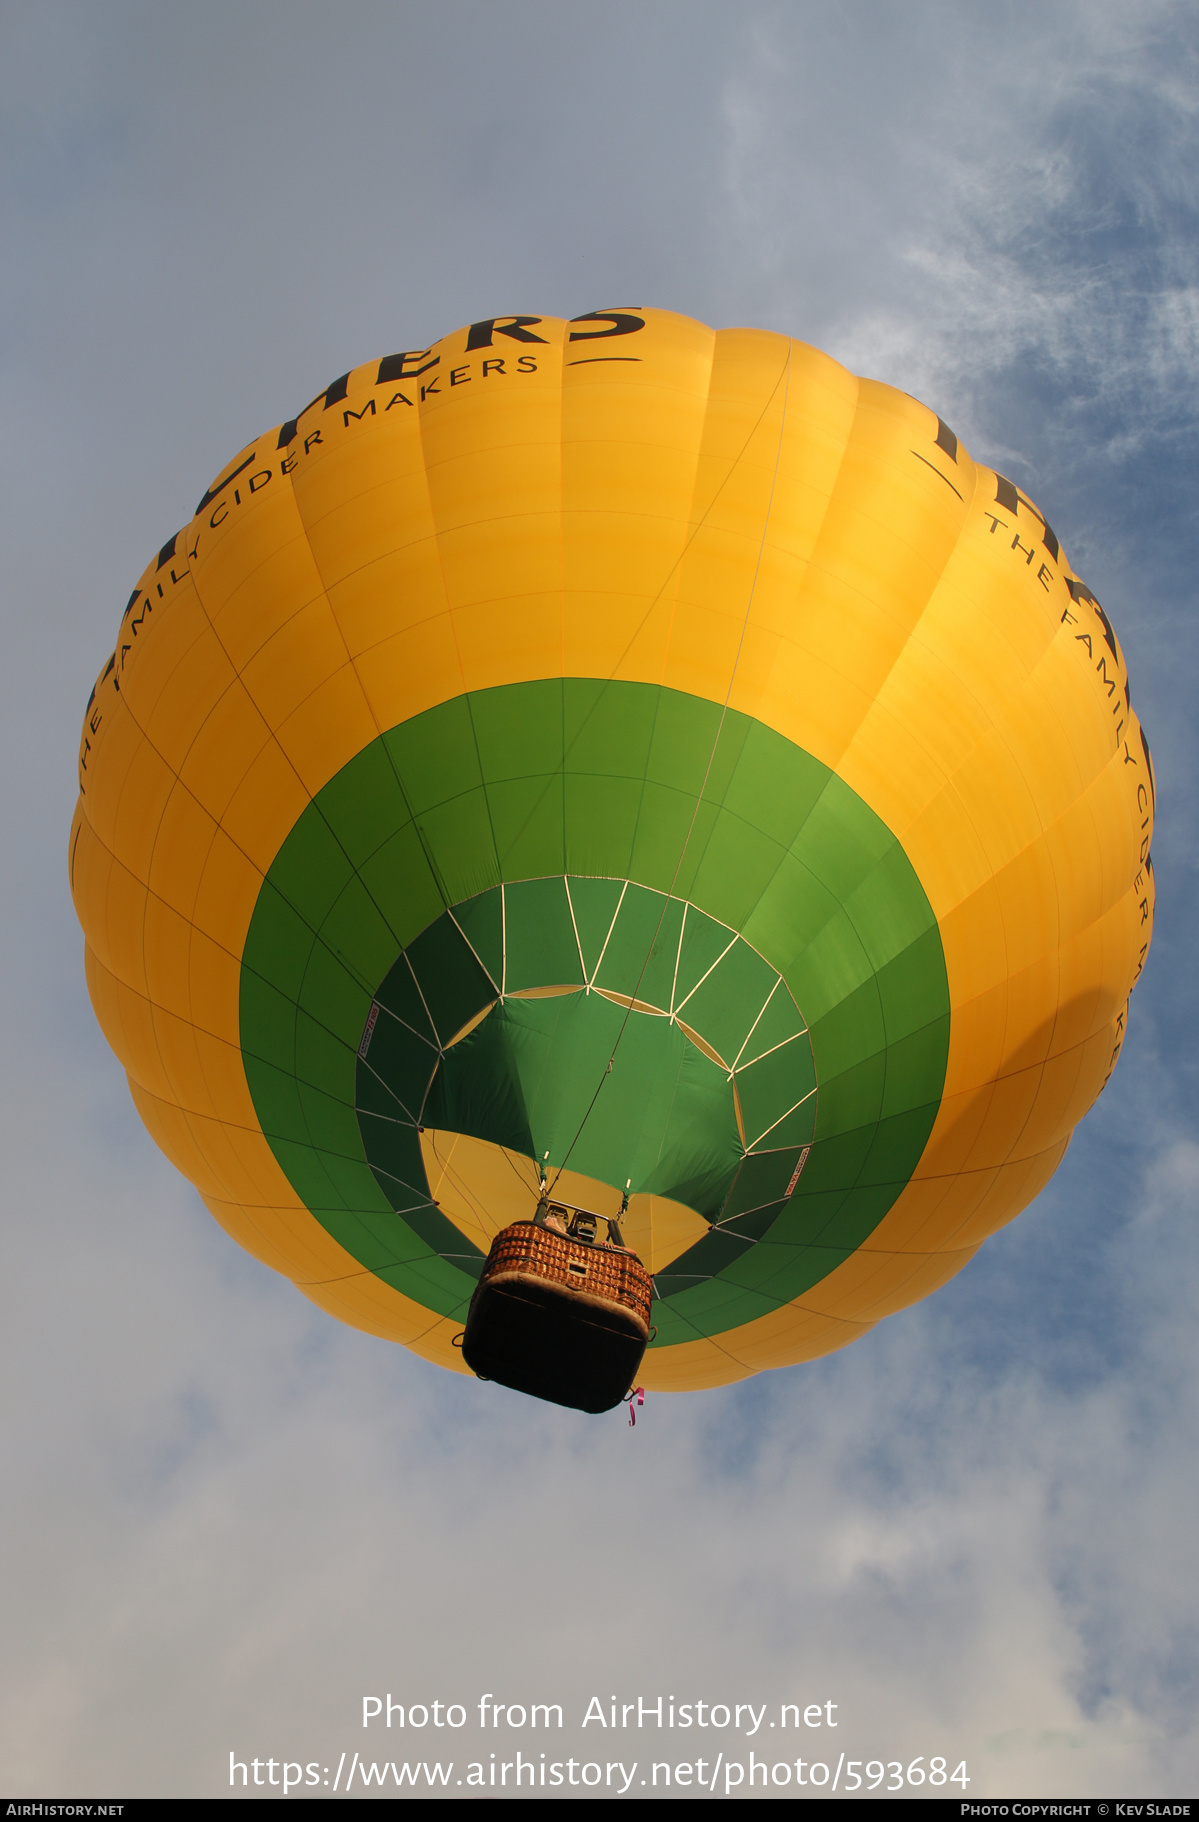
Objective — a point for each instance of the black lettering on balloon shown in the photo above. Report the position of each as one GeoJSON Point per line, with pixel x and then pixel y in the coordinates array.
{"type": "Point", "coordinates": [287, 432]}
{"type": "Point", "coordinates": [1108, 630]}
{"type": "Point", "coordinates": [332, 395]}
{"type": "Point", "coordinates": [622, 323]}
{"type": "Point", "coordinates": [937, 472]}
{"type": "Point", "coordinates": [948, 444]}
{"type": "Point", "coordinates": [1149, 769]}
{"type": "Point", "coordinates": [135, 625]}
{"type": "Point", "coordinates": [1080, 592]}
{"type": "Point", "coordinates": [1008, 495]}
{"type": "Point", "coordinates": [515, 327]}
{"type": "Point", "coordinates": [395, 366]}
{"type": "Point", "coordinates": [222, 484]}
{"type": "Point", "coordinates": [526, 364]}
{"type": "Point", "coordinates": [368, 407]}
{"type": "Point", "coordinates": [167, 552]}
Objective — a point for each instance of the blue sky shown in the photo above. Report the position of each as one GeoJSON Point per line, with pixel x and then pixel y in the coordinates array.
{"type": "Point", "coordinates": [227, 1518]}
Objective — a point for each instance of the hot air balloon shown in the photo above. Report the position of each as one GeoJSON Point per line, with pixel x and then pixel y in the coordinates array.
{"type": "Point", "coordinates": [616, 762]}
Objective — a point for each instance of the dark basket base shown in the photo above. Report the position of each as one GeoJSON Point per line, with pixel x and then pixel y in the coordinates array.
{"type": "Point", "coordinates": [535, 1338]}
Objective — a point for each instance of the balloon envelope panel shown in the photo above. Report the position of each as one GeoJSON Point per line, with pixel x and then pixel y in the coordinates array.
{"type": "Point", "coordinates": [615, 690]}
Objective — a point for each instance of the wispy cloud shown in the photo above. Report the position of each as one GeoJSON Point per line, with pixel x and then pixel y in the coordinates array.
{"type": "Point", "coordinates": [1019, 192]}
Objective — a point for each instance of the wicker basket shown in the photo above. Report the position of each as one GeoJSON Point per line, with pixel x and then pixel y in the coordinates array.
{"type": "Point", "coordinates": [559, 1319]}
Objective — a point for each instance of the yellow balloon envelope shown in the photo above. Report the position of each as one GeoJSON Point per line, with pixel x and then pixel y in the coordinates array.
{"type": "Point", "coordinates": [615, 689]}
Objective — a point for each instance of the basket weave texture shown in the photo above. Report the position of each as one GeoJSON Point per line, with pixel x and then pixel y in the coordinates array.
{"type": "Point", "coordinates": [604, 1275]}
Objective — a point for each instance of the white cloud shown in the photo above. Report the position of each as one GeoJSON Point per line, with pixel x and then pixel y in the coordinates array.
{"type": "Point", "coordinates": [999, 189]}
{"type": "Point", "coordinates": [227, 1519]}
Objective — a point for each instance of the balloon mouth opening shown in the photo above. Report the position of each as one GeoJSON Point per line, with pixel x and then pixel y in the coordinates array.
{"type": "Point", "coordinates": [482, 1188]}
{"type": "Point", "coordinates": [606, 1037]}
